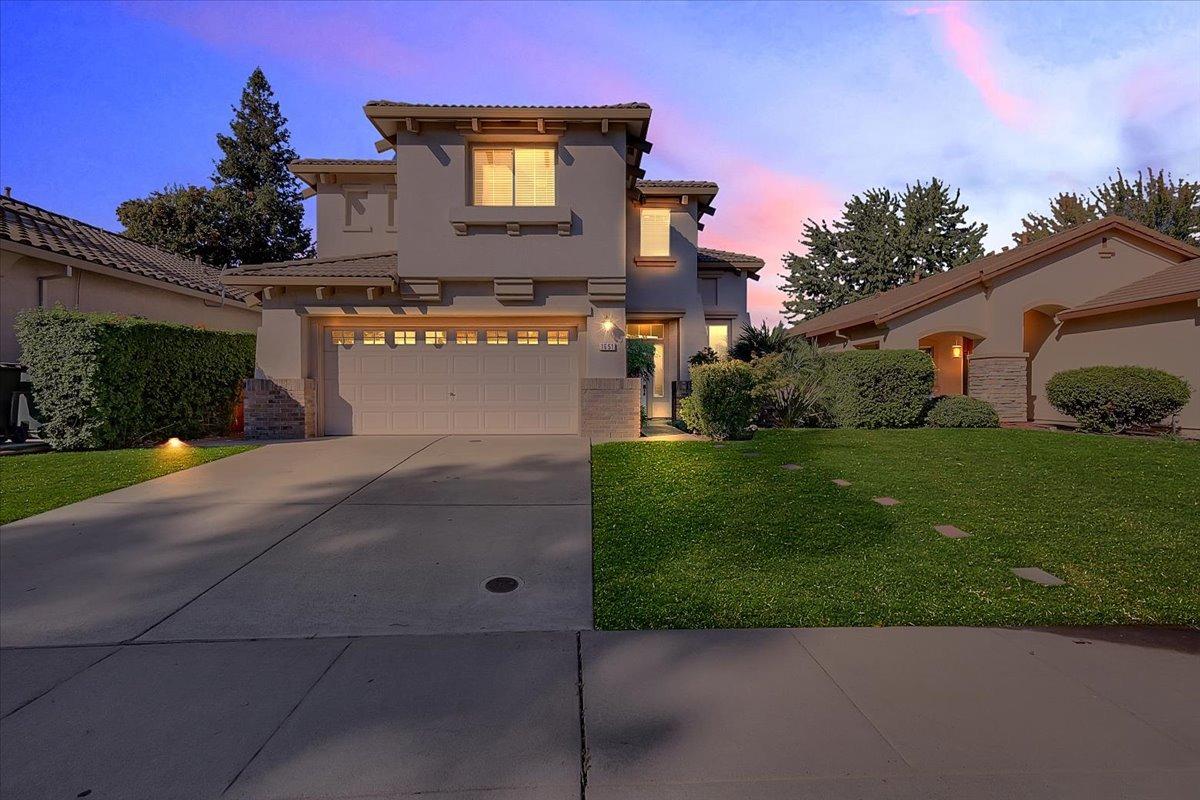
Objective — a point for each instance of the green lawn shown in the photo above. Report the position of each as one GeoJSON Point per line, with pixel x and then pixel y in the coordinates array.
{"type": "Point", "coordinates": [35, 483]}
{"type": "Point", "coordinates": [689, 535]}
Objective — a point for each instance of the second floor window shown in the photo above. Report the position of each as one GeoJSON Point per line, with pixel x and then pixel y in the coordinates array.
{"type": "Point", "coordinates": [656, 232]}
{"type": "Point", "coordinates": [513, 176]}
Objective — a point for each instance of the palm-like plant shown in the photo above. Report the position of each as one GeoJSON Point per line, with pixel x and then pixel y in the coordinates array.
{"type": "Point", "coordinates": [754, 342]}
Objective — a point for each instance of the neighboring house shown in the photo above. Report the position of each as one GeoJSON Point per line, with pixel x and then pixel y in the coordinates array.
{"type": "Point", "coordinates": [47, 259]}
{"type": "Point", "coordinates": [485, 279]}
{"type": "Point", "coordinates": [1106, 292]}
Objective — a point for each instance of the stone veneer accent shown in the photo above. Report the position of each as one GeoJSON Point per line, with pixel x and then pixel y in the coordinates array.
{"type": "Point", "coordinates": [1003, 381]}
{"type": "Point", "coordinates": [281, 408]}
{"type": "Point", "coordinates": [611, 408]}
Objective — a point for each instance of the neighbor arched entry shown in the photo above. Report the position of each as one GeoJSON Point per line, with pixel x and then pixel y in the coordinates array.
{"type": "Point", "coordinates": [1037, 328]}
{"type": "Point", "coordinates": [951, 352]}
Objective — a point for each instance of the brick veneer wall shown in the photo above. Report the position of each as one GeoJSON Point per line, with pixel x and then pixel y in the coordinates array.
{"type": "Point", "coordinates": [281, 408]}
{"type": "Point", "coordinates": [1002, 381]}
{"type": "Point", "coordinates": [611, 408]}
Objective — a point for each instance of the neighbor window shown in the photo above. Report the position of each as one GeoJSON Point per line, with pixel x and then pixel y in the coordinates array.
{"type": "Point", "coordinates": [466, 337]}
{"type": "Point", "coordinates": [341, 336]}
{"type": "Point", "coordinates": [656, 232]}
{"type": "Point", "coordinates": [497, 337]}
{"type": "Point", "coordinates": [527, 337]}
{"type": "Point", "coordinates": [513, 176]}
{"type": "Point", "coordinates": [374, 337]}
{"type": "Point", "coordinates": [718, 338]}
{"type": "Point", "coordinates": [558, 337]}
{"type": "Point", "coordinates": [404, 337]}
{"type": "Point", "coordinates": [435, 337]}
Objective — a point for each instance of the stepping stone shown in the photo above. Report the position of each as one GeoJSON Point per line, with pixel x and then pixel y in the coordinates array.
{"type": "Point", "coordinates": [718, 445]}
{"type": "Point", "coordinates": [791, 466]}
{"type": "Point", "coordinates": [1038, 575]}
{"type": "Point", "coordinates": [886, 501]}
{"type": "Point", "coordinates": [951, 531]}
{"type": "Point", "coordinates": [841, 482]}
{"type": "Point", "coordinates": [749, 453]}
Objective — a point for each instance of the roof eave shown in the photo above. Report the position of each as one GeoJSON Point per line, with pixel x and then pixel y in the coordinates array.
{"type": "Point", "coordinates": [1132, 305]}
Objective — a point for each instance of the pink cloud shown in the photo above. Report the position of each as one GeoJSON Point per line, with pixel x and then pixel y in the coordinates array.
{"type": "Point", "coordinates": [319, 36]}
{"type": "Point", "coordinates": [970, 48]}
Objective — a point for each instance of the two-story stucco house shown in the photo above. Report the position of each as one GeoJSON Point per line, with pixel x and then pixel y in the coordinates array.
{"type": "Point", "coordinates": [486, 277]}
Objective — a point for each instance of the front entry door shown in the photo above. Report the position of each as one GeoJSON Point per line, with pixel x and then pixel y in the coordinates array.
{"type": "Point", "coordinates": [657, 388]}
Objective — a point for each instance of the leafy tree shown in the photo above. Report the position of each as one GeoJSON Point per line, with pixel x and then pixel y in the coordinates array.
{"type": "Point", "coordinates": [639, 358]}
{"type": "Point", "coordinates": [184, 220]}
{"type": "Point", "coordinates": [882, 240]}
{"type": "Point", "coordinates": [705, 355]}
{"type": "Point", "coordinates": [253, 212]}
{"type": "Point", "coordinates": [1158, 201]}
{"type": "Point", "coordinates": [755, 342]}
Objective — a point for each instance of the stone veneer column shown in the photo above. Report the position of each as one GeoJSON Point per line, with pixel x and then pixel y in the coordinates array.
{"type": "Point", "coordinates": [281, 408]}
{"type": "Point", "coordinates": [1003, 381]}
{"type": "Point", "coordinates": [611, 408]}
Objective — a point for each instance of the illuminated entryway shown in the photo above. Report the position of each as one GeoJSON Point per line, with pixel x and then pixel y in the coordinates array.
{"type": "Point", "coordinates": [950, 353]}
{"type": "Point", "coordinates": [657, 388]}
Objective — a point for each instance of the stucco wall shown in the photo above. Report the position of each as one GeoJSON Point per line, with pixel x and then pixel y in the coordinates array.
{"type": "Point", "coordinates": [589, 180]}
{"type": "Point", "coordinates": [353, 215]}
{"type": "Point", "coordinates": [88, 291]}
{"type": "Point", "coordinates": [1164, 337]}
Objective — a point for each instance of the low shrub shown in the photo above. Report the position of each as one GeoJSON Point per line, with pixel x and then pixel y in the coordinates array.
{"type": "Point", "coordinates": [1115, 399]}
{"type": "Point", "coordinates": [104, 380]}
{"type": "Point", "coordinates": [877, 388]}
{"type": "Point", "coordinates": [960, 411]}
{"type": "Point", "coordinates": [720, 405]}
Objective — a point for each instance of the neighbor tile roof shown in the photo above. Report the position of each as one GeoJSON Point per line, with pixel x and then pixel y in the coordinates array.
{"type": "Point", "coordinates": [500, 106]}
{"type": "Point", "coordinates": [707, 255]}
{"type": "Point", "coordinates": [372, 265]}
{"type": "Point", "coordinates": [30, 225]}
{"type": "Point", "coordinates": [1175, 283]}
{"type": "Point", "coordinates": [699, 185]}
{"type": "Point", "coordinates": [910, 296]}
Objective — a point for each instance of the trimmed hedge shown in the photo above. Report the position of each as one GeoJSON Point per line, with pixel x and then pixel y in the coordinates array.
{"type": "Point", "coordinates": [960, 411]}
{"type": "Point", "coordinates": [720, 405]}
{"type": "Point", "coordinates": [104, 380]}
{"type": "Point", "coordinates": [878, 388]}
{"type": "Point", "coordinates": [1114, 399]}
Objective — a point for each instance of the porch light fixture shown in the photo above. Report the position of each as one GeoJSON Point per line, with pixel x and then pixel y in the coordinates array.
{"type": "Point", "coordinates": [956, 350]}
{"type": "Point", "coordinates": [607, 325]}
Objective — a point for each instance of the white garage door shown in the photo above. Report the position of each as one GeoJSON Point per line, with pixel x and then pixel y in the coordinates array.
{"type": "Point", "coordinates": [450, 380]}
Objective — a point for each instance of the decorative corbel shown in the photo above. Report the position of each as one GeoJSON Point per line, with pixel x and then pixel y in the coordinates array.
{"type": "Point", "coordinates": [268, 292]}
{"type": "Point", "coordinates": [564, 229]}
{"type": "Point", "coordinates": [321, 292]}
{"type": "Point", "coordinates": [460, 228]}
{"type": "Point", "coordinates": [411, 125]}
{"type": "Point", "coordinates": [513, 228]}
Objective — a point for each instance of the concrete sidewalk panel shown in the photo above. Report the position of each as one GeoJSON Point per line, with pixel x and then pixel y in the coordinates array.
{"type": "Point", "coordinates": [27, 674]}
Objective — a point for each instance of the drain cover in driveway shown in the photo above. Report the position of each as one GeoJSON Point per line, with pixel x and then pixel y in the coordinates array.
{"type": "Point", "coordinates": [501, 585]}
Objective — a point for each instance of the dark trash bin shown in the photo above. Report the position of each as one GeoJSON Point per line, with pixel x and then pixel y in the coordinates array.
{"type": "Point", "coordinates": [12, 389]}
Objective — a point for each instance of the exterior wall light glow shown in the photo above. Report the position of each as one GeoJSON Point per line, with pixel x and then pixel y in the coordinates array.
{"type": "Point", "coordinates": [174, 442]}
{"type": "Point", "coordinates": [607, 325]}
{"type": "Point", "coordinates": [956, 350]}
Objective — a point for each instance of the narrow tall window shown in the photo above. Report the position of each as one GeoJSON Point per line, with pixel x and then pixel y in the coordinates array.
{"type": "Point", "coordinates": [656, 232]}
{"type": "Point", "coordinates": [718, 337]}
{"type": "Point", "coordinates": [508, 176]}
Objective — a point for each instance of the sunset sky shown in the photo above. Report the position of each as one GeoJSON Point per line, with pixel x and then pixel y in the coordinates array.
{"type": "Point", "coordinates": [790, 107]}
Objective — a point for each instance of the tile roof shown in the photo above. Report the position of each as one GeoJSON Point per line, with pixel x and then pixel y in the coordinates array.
{"type": "Point", "coordinates": [501, 106]}
{"type": "Point", "coordinates": [1175, 283]}
{"type": "Point", "coordinates": [343, 162]}
{"type": "Point", "coordinates": [30, 225]}
{"type": "Point", "coordinates": [650, 184]}
{"type": "Point", "coordinates": [707, 255]}
{"type": "Point", "coordinates": [910, 296]}
{"type": "Point", "coordinates": [372, 265]}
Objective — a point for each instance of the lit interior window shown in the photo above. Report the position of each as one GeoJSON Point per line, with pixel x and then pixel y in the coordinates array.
{"type": "Point", "coordinates": [718, 338]}
{"type": "Point", "coordinates": [466, 337]}
{"type": "Point", "coordinates": [497, 337]}
{"type": "Point", "coordinates": [435, 337]}
{"type": "Point", "coordinates": [558, 337]}
{"type": "Point", "coordinates": [645, 330]}
{"type": "Point", "coordinates": [656, 232]}
{"type": "Point", "coordinates": [374, 337]}
{"type": "Point", "coordinates": [507, 176]}
{"type": "Point", "coordinates": [527, 337]}
{"type": "Point", "coordinates": [404, 337]}
{"type": "Point", "coordinates": [341, 336]}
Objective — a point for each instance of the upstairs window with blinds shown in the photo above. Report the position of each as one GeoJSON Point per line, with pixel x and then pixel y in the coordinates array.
{"type": "Point", "coordinates": [513, 176]}
{"type": "Point", "coordinates": [656, 232]}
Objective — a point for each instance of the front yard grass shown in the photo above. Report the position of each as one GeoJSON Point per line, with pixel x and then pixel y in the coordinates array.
{"type": "Point", "coordinates": [689, 535]}
{"type": "Point", "coordinates": [35, 483]}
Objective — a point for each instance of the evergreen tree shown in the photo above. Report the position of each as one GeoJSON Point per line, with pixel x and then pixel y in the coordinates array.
{"type": "Point", "coordinates": [882, 240]}
{"type": "Point", "coordinates": [1158, 201]}
{"type": "Point", "coordinates": [253, 213]}
{"type": "Point", "coordinates": [260, 196]}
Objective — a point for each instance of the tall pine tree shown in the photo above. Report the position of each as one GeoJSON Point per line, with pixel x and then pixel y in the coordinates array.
{"type": "Point", "coordinates": [1156, 200]}
{"type": "Point", "coordinates": [253, 212]}
{"type": "Point", "coordinates": [882, 240]}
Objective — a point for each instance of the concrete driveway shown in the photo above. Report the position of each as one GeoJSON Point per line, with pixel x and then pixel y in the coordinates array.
{"type": "Point", "coordinates": [245, 629]}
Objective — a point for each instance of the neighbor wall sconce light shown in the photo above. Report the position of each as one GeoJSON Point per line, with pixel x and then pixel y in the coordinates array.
{"type": "Point", "coordinates": [956, 350]}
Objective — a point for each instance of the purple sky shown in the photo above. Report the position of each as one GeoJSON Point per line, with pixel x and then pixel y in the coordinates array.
{"type": "Point", "coordinates": [790, 107]}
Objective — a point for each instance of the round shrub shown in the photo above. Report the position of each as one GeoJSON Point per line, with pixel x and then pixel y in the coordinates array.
{"type": "Point", "coordinates": [720, 405]}
{"type": "Point", "coordinates": [878, 388]}
{"type": "Point", "coordinates": [1115, 399]}
{"type": "Point", "coordinates": [960, 411]}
